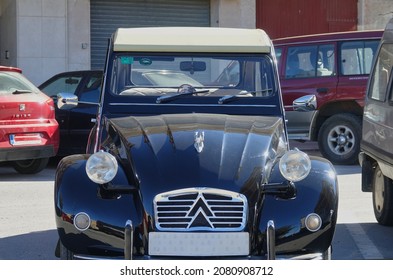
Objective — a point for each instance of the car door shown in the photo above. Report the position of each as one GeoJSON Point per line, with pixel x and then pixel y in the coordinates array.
{"type": "Point", "coordinates": [355, 60]}
{"type": "Point", "coordinates": [75, 123]}
{"type": "Point", "coordinates": [306, 69]}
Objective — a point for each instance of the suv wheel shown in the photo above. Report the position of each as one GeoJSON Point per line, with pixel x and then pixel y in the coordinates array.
{"type": "Point", "coordinates": [382, 198]}
{"type": "Point", "coordinates": [339, 138]}
{"type": "Point", "coordinates": [30, 166]}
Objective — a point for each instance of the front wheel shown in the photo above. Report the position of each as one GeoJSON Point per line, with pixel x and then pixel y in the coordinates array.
{"type": "Point", "coordinates": [382, 198]}
{"type": "Point", "coordinates": [339, 138]}
{"type": "Point", "coordinates": [65, 254]}
{"type": "Point", "coordinates": [327, 255]}
{"type": "Point", "coordinates": [30, 166]}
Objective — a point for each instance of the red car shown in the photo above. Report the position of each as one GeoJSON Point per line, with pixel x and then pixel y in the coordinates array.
{"type": "Point", "coordinates": [29, 133]}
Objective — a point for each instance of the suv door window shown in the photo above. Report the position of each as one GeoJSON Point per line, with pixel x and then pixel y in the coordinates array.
{"type": "Point", "coordinates": [383, 67]}
{"type": "Point", "coordinates": [357, 57]}
{"type": "Point", "coordinates": [310, 61]}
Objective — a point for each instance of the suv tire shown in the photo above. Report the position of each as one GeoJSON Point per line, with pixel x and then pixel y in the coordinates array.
{"type": "Point", "coordinates": [339, 138]}
{"type": "Point", "coordinates": [382, 198]}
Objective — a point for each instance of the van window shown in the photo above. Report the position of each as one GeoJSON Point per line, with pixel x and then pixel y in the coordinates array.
{"type": "Point", "coordinates": [310, 61]}
{"type": "Point", "coordinates": [383, 67]}
{"type": "Point", "coordinates": [357, 57]}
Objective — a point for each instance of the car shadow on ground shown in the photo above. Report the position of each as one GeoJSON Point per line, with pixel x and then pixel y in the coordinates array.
{"type": "Point", "coordinates": [8, 174]}
{"type": "Point", "coordinates": [362, 241]}
{"type": "Point", "coordinates": [38, 245]}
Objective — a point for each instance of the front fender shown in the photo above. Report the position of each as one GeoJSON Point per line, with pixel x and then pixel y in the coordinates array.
{"type": "Point", "coordinates": [317, 193]}
{"type": "Point", "coordinates": [108, 211]}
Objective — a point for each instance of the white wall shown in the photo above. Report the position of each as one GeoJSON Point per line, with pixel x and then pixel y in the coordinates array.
{"type": "Point", "coordinates": [49, 36]}
{"type": "Point", "coordinates": [8, 32]}
{"type": "Point", "coordinates": [374, 14]}
{"type": "Point", "coordinates": [233, 13]}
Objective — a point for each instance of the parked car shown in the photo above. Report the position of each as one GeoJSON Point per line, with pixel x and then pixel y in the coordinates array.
{"type": "Point", "coordinates": [201, 170]}
{"type": "Point", "coordinates": [29, 133]}
{"type": "Point", "coordinates": [75, 124]}
{"type": "Point", "coordinates": [376, 157]}
{"type": "Point", "coordinates": [334, 67]}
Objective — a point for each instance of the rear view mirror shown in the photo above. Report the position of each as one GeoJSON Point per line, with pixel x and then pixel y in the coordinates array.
{"type": "Point", "coordinates": [72, 81]}
{"type": "Point", "coordinates": [192, 66]}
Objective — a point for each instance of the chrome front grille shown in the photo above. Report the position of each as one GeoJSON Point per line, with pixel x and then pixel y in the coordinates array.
{"type": "Point", "coordinates": [200, 209]}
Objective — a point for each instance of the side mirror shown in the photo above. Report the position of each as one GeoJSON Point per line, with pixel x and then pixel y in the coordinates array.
{"type": "Point", "coordinates": [305, 103]}
{"type": "Point", "coordinates": [66, 101]}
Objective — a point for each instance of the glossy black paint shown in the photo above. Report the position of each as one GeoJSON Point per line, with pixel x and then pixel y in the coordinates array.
{"type": "Point", "coordinates": [161, 161]}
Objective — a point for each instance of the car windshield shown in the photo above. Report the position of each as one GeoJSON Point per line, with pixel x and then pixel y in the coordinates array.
{"type": "Point", "coordinates": [157, 75]}
{"type": "Point", "coordinates": [15, 83]}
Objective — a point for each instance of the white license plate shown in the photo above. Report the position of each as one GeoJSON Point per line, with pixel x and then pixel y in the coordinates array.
{"type": "Point", "coordinates": [25, 139]}
{"type": "Point", "coordinates": [195, 244]}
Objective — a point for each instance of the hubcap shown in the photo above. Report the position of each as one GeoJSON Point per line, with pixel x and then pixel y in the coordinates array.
{"type": "Point", "coordinates": [341, 140]}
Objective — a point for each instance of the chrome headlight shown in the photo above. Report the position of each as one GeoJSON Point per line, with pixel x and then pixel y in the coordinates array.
{"type": "Point", "coordinates": [295, 165]}
{"type": "Point", "coordinates": [101, 167]}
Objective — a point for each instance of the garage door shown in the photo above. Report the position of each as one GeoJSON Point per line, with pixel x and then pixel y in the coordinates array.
{"type": "Point", "coordinates": [107, 15]}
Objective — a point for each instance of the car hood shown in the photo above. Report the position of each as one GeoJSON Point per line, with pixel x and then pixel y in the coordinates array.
{"type": "Point", "coordinates": [168, 152]}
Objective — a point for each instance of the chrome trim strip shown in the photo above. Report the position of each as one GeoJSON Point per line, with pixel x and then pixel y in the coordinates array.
{"type": "Point", "coordinates": [128, 240]}
{"type": "Point", "coordinates": [271, 240]}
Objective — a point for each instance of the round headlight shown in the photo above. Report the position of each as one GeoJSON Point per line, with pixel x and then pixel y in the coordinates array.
{"type": "Point", "coordinates": [101, 167]}
{"type": "Point", "coordinates": [295, 165]}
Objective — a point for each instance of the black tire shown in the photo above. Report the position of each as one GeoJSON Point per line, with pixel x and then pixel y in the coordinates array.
{"type": "Point", "coordinates": [327, 255]}
{"type": "Point", "coordinates": [65, 254]}
{"type": "Point", "coordinates": [30, 166]}
{"type": "Point", "coordinates": [382, 189]}
{"type": "Point", "coordinates": [339, 139]}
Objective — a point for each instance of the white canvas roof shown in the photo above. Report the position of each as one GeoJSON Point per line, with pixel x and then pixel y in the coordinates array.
{"type": "Point", "coordinates": [192, 39]}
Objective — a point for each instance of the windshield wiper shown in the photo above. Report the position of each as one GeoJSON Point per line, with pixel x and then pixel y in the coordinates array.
{"type": "Point", "coordinates": [243, 93]}
{"type": "Point", "coordinates": [182, 91]}
{"type": "Point", "coordinates": [21, 91]}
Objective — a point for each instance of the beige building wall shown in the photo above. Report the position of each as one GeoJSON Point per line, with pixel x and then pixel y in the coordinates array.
{"type": "Point", "coordinates": [374, 14]}
{"type": "Point", "coordinates": [48, 37]}
{"type": "Point", "coordinates": [233, 13]}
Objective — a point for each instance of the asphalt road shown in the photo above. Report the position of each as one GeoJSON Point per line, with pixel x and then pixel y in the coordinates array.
{"type": "Point", "coordinates": [27, 225]}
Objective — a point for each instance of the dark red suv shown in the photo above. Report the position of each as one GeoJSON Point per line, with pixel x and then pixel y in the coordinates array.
{"type": "Point", "coordinates": [332, 69]}
{"type": "Point", "coordinates": [29, 133]}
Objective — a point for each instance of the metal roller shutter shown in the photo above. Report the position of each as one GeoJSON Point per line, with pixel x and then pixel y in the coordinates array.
{"type": "Point", "coordinates": [107, 15]}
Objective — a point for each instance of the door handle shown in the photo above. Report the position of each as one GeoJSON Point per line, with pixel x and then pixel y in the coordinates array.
{"type": "Point", "coordinates": [322, 90]}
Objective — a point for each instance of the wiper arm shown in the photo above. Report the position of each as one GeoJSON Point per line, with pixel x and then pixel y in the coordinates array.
{"type": "Point", "coordinates": [21, 91]}
{"type": "Point", "coordinates": [243, 93]}
{"type": "Point", "coordinates": [182, 91]}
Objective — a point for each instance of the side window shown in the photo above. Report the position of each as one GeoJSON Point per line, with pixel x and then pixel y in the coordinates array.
{"type": "Point", "coordinates": [326, 60]}
{"type": "Point", "coordinates": [67, 84]}
{"type": "Point", "coordinates": [92, 89]}
{"type": "Point", "coordinates": [357, 56]}
{"type": "Point", "coordinates": [310, 61]}
{"type": "Point", "coordinates": [381, 74]}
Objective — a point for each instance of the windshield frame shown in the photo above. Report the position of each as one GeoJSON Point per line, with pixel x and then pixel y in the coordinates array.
{"type": "Point", "coordinates": [263, 60]}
